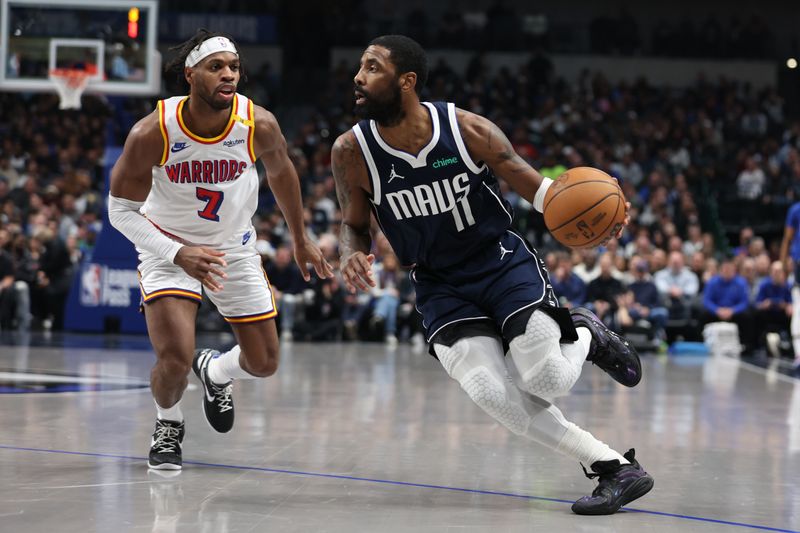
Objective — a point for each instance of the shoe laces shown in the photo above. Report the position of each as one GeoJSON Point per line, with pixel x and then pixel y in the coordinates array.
{"type": "Point", "coordinates": [604, 480]}
{"type": "Point", "coordinates": [166, 438]}
{"type": "Point", "coordinates": [222, 396]}
{"type": "Point", "coordinates": [609, 472]}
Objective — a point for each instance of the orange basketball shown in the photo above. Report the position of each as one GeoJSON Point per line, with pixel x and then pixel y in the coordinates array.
{"type": "Point", "coordinates": [584, 207]}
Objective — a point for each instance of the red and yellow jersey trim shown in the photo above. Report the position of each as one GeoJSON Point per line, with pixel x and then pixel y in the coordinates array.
{"type": "Point", "coordinates": [251, 118]}
{"type": "Point", "coordinates": [207, 140]}
{"type": "Point", "coordinates": [162, 125]}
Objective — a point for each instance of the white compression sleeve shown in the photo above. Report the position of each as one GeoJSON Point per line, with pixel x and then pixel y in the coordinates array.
{"type": "Point", "coordinates": [124, 215]}
{"type": "Point", "coordinates": [477, 364]}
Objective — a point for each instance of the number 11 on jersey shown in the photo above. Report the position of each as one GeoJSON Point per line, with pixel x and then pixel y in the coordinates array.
{"type": "Point", "coordinates": [214, 202]}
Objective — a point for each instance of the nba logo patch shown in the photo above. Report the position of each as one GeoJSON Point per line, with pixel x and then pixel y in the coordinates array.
{"type": "Point", "coordinates": [91, 283]}
{"type": "Point", "coordinates": [246, 237]}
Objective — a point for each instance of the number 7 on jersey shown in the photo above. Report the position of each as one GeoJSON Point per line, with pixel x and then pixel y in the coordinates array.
{"type": "Point", "coordinates": [214, 202]}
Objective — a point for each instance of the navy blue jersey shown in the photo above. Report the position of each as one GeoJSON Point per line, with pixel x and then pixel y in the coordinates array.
{"type": "Point", "coordinates": [436, 208]}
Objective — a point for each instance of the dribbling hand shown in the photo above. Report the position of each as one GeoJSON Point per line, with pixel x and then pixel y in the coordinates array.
{"type": "Point", "coordinates": [357, 271]}
{"type": "Point", "coordinates": [626, 221]}
{"type": "Point", "coordinates": [203, 264]}
{"type": "Point", "coordinates": [627, 217]}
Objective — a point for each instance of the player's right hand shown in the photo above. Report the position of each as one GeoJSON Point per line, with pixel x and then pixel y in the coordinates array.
{"type": "Point", "coordinates": [357, 271]}
{"type": "Point", "coordinates": [201, 263]}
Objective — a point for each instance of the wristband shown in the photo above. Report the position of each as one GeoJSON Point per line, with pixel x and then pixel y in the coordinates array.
{"type": "Point", "coordinates": [538, 199]}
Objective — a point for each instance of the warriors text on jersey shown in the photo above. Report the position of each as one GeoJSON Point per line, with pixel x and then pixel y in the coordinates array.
{"type": "Point", "coordinates": [205, 190]}
{"type": "Point", "coordinates": [437, 207]}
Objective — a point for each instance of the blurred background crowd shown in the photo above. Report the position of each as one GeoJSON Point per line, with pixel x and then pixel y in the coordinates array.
{"type": "Point", "coordinates": [710, 170]}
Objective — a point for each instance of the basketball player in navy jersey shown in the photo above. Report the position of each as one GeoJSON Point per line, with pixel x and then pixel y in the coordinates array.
{"type": "Point", "coordinates": [426, 171]}
{"type": "Point", "coordinates": [184, 191]}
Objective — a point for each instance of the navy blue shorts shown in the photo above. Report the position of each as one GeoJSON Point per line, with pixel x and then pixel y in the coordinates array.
{"type": "Point", "coordinates": [504, 279]}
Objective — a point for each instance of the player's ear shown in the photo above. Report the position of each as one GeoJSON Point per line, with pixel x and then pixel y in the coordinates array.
{"type": "Point", "coordinates": [408, 81]}
{"type": "Point", "coordinates": [187, 73]}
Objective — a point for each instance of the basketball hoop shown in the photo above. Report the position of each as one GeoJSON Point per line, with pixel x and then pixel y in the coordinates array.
{"type": "Point", "coordinates": [70, 84]}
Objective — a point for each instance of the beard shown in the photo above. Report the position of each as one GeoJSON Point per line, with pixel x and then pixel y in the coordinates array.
{"type": "Point", "coordinates": [216, 103]}
{"type": "Point", "coordinates": [386, 110]}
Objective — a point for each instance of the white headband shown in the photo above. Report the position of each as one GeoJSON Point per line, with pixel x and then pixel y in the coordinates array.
{"type": "Point", "coordinates": [208, 47]}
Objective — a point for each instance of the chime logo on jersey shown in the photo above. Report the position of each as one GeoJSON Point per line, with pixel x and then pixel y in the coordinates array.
{"type": "Point", "coordinates": [215, 171]}
{"type": "Point", "coordinates": [441, 196]}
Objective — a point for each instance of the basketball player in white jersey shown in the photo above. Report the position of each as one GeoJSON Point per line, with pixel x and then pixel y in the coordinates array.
{"type": "Point", "coordinates": [184, 191]}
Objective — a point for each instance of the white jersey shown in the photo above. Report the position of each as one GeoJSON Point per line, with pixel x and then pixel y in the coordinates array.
{"type": "Point", "coordinates": [205, 190]}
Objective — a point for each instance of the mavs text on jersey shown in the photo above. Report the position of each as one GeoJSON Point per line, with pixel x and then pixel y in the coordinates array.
{"type": "Point", "coordinates": [437, 207]}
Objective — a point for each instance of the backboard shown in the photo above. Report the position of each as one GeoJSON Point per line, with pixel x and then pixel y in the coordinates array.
{"type": "Point", "coordinates": [113, 39]}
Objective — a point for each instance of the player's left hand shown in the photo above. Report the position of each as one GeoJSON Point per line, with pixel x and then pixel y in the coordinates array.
{"type": "Point", "coordinates": [626, 221]}
{"type": "Point", "coordinates": [309, 252]}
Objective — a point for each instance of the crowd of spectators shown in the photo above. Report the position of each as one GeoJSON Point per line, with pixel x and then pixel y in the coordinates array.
{"type": "Point", "coordinates": [51, 181]}
{"type": "Point", "coordinates": [503, 25]}
{"type": "Point", "coordinates": [636, 288]}
{"type": "Point", "coordinates": [510, 25]}
{"type": "Point", "coordinates": [709, 37]}
{"type": "Point", "coordinates": [678, 154]}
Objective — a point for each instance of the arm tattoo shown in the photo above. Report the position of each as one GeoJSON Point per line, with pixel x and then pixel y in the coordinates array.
{"type": "Point", "coordinates": [506, 151]}
{"type": "Point", "coordinates": [339, 168]}
{"type": "Point", "coordinates": [350, 239]}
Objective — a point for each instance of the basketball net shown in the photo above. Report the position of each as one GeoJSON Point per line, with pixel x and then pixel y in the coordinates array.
{"type": "Point", "coordinates": [70, 84]}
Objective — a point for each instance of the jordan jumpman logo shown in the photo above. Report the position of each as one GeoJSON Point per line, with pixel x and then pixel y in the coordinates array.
{"type": "Point", "coordinates": [393, 175]}
{"type": "Point", "coordinates": [503, 251]}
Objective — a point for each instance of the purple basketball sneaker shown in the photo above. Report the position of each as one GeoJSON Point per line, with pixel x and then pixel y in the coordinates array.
{"type": "Point", "coordinates": [609, 351]}
{"type": "Point", "coordinates": [619, 484]}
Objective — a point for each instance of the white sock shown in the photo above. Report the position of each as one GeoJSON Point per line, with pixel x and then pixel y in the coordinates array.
{"type": "Point", "coordinates": [587, 449]}
{"type": "Point", "coordinates": [225, 367]}
{"type": "Point", "coordinates": [576, 352]}
{"type": "Point", "coordinates": [173, 413]}
{"type": "Point", "coordinates": [584, 340]}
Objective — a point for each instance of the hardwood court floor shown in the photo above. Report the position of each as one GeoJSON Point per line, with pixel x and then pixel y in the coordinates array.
{"type": "Point", "coordinates": [357, 437]}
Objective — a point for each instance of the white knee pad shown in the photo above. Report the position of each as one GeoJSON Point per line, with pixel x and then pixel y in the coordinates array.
{"type": "Point", "coordinates": [477, 364]}
{"type": "Point", "coordinates": [544, 369]}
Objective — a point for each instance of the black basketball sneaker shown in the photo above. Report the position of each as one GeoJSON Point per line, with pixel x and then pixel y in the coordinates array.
{"type": "Point", "coordinates": [165, 448]}
{"type": "Point", "coordinates": [619, 485]}
{"type": "Point", "coordinates": [609, 351]}
{"type": "Point", "coordinates": [217, 400]}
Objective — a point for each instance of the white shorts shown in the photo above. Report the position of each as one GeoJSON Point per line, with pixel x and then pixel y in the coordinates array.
{"type": "Point", "coordinates": [246, 295]}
